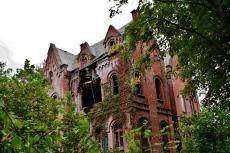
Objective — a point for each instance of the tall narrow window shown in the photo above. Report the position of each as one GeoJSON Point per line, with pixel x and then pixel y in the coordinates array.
{"type": "Point", "coordinates": [164, 132]}
{"type": "Point", "coordinates": [98, 135]}
{"type": "Point", "coordinates": [83, 60]}
{"type": "Point", "coordinates": [144, 142]}
{"type": "Point", "coordinates": [118, 135]}
{"type": "Point", "coordinates": [182, 102]}
{"type": "Point", "coordinates": [158, 89]}
{"type": "Point", "coordinates": [138, 89]}
{"type": "Point", "coordinates": [191, 105]}
{"type": "Point", "coordinates": [51, 76]}
{"type": "Point", "coordinates": [105, 145]}
{"type": "Point", "coordinates": [114, 83]}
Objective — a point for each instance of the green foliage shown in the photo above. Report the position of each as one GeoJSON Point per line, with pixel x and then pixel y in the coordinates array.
{"type": "Point", "coordinates": [114, 49]}
{"type": "Point", "coordinates": [208, 131]}
{"type": "Point", "coordinates": [134, 138]}
{"type": "Point", "coordinates": [76, 133]}
{"type": "Point", "coordinates": [27, 112]}
{"type": "Point", "coordinates": [110, 106]}
{"type": "Point", "coordinates": [31, 121]}
{"type": "Point", "coordinates": [196, 31]}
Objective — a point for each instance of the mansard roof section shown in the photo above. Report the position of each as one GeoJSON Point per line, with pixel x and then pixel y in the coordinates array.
{"type": "Point", "coordinates": [63, 57]}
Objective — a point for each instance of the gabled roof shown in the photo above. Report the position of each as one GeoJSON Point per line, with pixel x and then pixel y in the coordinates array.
{"type": "Point", "coordinates": [97, 50]}
{"type": "Point", "coordinates": [108, 34]}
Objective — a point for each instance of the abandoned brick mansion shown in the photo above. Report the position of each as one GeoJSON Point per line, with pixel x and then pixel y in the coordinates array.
{"type": "Point", "coordinates": [98, 75]}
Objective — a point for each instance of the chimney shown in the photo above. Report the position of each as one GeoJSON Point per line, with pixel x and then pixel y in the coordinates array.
{"type": "Point", "coordinates": [135, 14]}
{"type": "Point", "coordinates": [84, 45]}
{"type": "Point", "coordinates": [52, 45]}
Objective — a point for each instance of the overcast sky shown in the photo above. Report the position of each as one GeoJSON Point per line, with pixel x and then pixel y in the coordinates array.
{"type": "Point", "coordinates": [27, 27]}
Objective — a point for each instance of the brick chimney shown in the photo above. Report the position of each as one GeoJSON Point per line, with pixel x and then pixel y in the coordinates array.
{"type": "Point", "coordinates": [84, 45]}
{"type": "Point", "coordinates": [135, 14]}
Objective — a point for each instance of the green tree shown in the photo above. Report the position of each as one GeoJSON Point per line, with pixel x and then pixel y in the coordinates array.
{"type": "Point", "coordinates": [207, 132]}
{"type": "Point", "coordinates": [30, 119]}
{"type": "Point", "coordinates": [198, 32]}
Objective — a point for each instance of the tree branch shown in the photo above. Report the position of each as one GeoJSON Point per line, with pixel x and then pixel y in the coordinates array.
{"type": "Point", "coordinates": [188, 2]}
{"type": "Point", "coordinates": [192, 31]}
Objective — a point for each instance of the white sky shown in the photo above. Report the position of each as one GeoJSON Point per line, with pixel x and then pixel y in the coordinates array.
{"type": "Point", "coordinates": [27, 27]}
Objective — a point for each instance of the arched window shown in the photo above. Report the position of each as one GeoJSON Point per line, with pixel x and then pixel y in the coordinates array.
{"type": "Point", "coordinates": [83, 59]}
{"type": "Point", "coordinates": [114, 84]}
{"type": "Point", "coordinates": [144, 123]}
{"type": "Point", "coordinates": [51, 76]}
{"type": "Point", "coordinates": [54, 96]}
{"type": "Point", "coordinates": [111, 43]}
{"type": "Point", "coordinates": [158, 87]}
{"type": "Point", "coordinates": [164, 132]}
{"type": "Point", "coordinates": [138, 89]}
{"type": "Point", "coordinates": [118, 135]}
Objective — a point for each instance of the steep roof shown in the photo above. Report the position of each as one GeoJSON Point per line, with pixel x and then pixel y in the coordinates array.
{"type": "Point", "coordinates": [97, 49]}
{"type": "Point", "coordinates": [122, 29]}
{"type": "Point", "coordinates": [67, 58]}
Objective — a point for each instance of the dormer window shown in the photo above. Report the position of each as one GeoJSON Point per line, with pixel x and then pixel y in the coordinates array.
{"type": "Point", "coordinates": [111, 43]}
{"type": "Point", "coordinates": [83, 60]}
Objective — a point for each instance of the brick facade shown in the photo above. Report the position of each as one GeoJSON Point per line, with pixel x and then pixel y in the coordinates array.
{"type": "Point", "coordinates": [86, 74]}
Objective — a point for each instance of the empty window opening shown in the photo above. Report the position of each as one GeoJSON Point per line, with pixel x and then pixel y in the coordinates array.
{"type": "Point", "coordinates": [98, 135]}
{"type": "Point", "coordinates": [51, 76]}
{"type": "Point", "coordinates": [164, 132]}
{"type": "Point", "coordinates": [145, 146]}
{"type": "Point", "coordinates": [158, 89]}
{"type": "Point", "coordinates": [91, 91]}
{"type": "Point", "coordinates": [83, 59]}
{"type": "Point", "coordinates": [111, 43]}
{"type": "Point", "coordinates": [138, 87]}
{"type": "Point", "coordinates": [182, 102]}
{"type": "Point", "coordinates": [114, 83]}
{"type": "Point", "coordinates": [191, 105]}
{"type": "Point", "coordinates": [118, 135]}
{"type": "Point", "coordinates": [102, 139]}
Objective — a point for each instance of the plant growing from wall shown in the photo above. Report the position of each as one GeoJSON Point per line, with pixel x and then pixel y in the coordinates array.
{"type": "Point", "coordinates": [114, 49]}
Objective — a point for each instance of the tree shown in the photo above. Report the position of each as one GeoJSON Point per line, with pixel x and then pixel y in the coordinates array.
{"type": "Point", "coordinates": [198, 32]}
{"type": "Point", "coordinates": [29, 120]}
{"type": "Point", "coordinates": [207, 132]}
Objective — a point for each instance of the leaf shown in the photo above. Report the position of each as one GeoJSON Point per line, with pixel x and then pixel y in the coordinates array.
{"type": "Point", "coordinates": [147, 133]}
{"type": "Point", "coordinates": [2, 103]}
{"type": "Point", "coordinates": [16, 142]}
